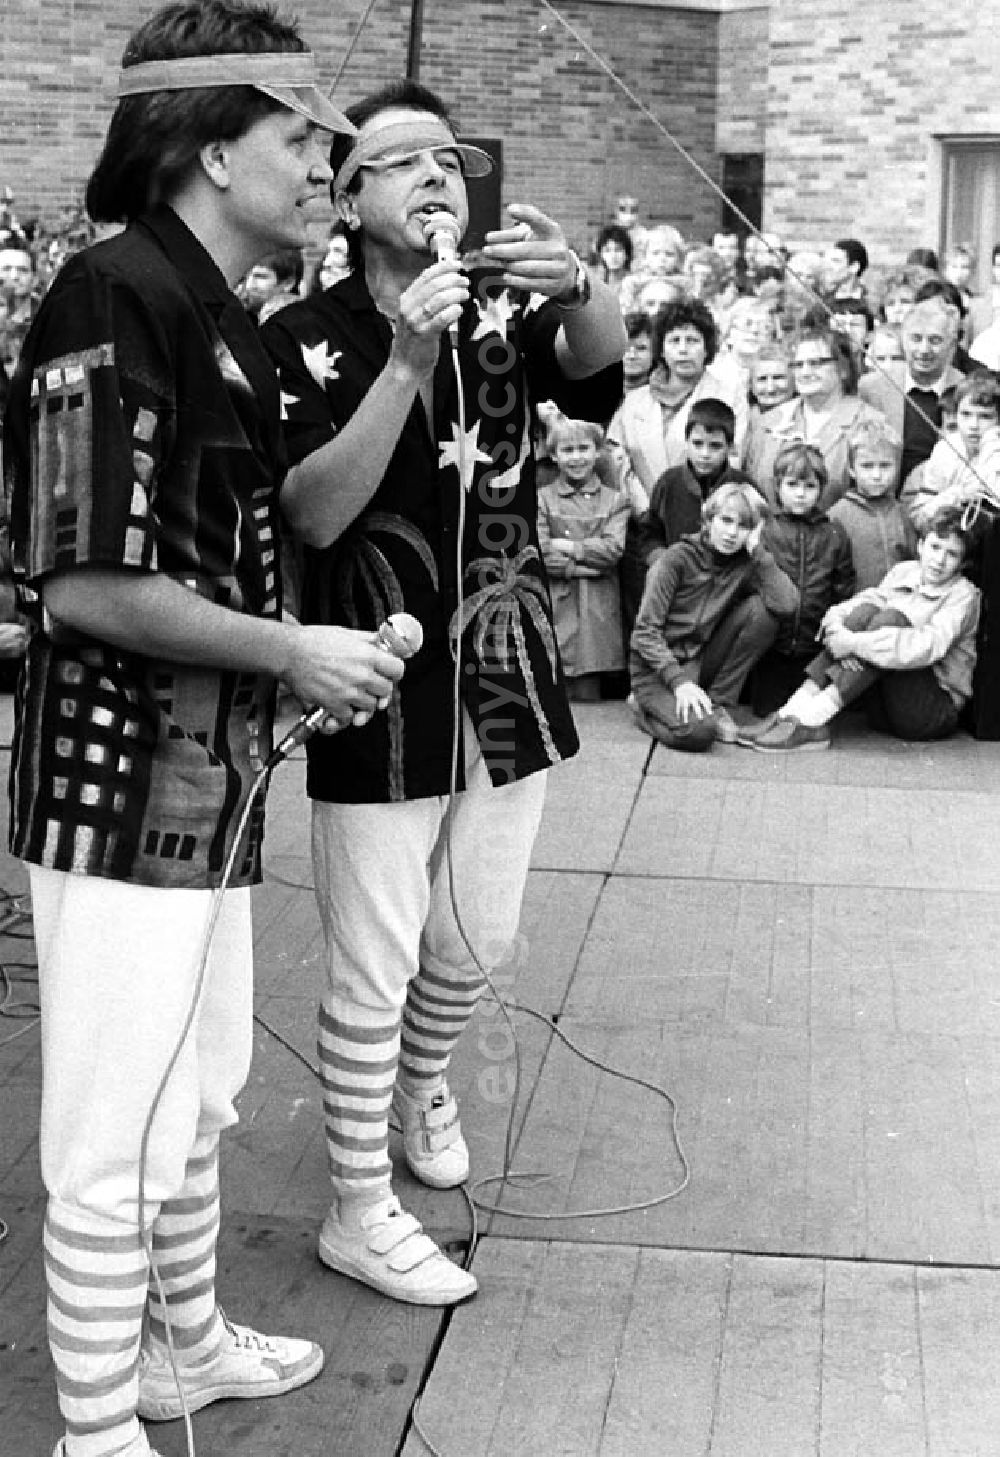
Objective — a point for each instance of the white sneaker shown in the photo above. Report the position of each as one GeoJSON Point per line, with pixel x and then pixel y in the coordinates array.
{"type": "Point", "coordinates": [726, 730]}
{"type": "Point", "coordinates": [388, 1250]}
{"type": "Point", "coordinates": [432, 1137]}
{"type": "Point", "coordinates": [139, 1448]}
{"type": "Point", "coordinates": [248, 1365]}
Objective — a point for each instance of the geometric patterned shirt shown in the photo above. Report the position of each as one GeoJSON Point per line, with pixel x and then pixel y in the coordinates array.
{"type": "Point", "coordinates": [450, 535]}
{"type": "Point", "coordinates": [142, 434]}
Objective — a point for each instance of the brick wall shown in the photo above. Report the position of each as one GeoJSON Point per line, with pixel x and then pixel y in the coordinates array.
{"type": "Point", "coordinates": [857, 96]}
{"type": "Point", "coordinates": [571, 139]}
{"type": "Point", "coordinates": [743, 59]}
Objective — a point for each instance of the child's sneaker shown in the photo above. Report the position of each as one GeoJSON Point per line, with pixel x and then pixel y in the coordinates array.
{"type": "Point", "coordinates": [387, 1249]}
{"type": "Point", "coordinates": [726, 729]}
{"type": "Point", "coordinates": [432, 1136]}
{"type": "Point", "coordinates": [788, 735]}
{"type": "Point", "coordinates": [247, 1365]}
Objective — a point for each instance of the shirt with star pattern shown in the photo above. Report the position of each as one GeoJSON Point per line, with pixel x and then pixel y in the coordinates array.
{"type": "Point", "coordinates": [142, 435]}
{"type": "Point", "coordinates": [401, 553]}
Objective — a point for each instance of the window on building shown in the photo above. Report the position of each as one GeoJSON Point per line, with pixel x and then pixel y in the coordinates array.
{"type": "Point", "coordinates": [743, 183]}
{"type": "Point", "coordinates": [971, 201]}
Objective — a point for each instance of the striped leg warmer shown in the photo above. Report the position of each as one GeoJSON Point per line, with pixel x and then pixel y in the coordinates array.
{"type": "Point", "coordinates": [184, 1239]}
{"type": "Point", "coordinates": [96, 1272]}
{"type": "Point", "coordinates": [358, 1065]}
{"type": "Point", "coordinates": [439, 1003]}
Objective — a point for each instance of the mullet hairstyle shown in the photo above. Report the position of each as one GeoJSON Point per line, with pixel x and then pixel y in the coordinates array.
{"type": "Point", "coordinates": [154, 139]}
{"type": "Point", "coordinates": [400, 93]}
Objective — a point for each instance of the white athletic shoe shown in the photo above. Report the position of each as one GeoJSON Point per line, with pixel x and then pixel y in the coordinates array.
{"type": "Point", "coordinates": [138, 1448]}
{"type": "Point", "coordinates": [388, 1250]}
{"type": "Point", "coordinates": [248, 1365]}
{"type": "Point", "coordinates": [432, 1137]}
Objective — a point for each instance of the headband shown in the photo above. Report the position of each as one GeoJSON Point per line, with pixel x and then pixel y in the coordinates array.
{"type": "Point", "coordinates": [289, 77]}
{"type": "Point", "coordinates": [399, 139]}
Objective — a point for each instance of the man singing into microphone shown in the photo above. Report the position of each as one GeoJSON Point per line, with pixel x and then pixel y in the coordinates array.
{"type": "Point", "coordinates": [411, 494]}
{"type": "Point", "coordinates": [143, 455]}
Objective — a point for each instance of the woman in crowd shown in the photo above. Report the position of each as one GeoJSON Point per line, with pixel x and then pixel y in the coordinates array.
{"type": "Point", "coordinates": [614, 255]}
{"type": "Point", "coordinates": [822, 412]}
{"type": "Point", "coordinates": [647, 430]}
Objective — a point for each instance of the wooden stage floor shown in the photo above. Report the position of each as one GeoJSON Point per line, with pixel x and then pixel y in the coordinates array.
{"type": "Point", "coordinates": [803, 952]}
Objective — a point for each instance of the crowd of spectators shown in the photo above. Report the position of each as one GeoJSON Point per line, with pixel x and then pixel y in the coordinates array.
{"type": "Point", "coordinates": [740, 348]}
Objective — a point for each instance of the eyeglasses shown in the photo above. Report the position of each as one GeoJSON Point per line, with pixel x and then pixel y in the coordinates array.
{"type": "Point", "coordinates": [813, 363]}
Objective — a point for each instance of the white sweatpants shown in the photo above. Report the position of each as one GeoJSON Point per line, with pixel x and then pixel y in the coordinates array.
{"type": "Point", "coordinates": [399, 972]}
{"type": "Point", "coordinates": [118, 966]}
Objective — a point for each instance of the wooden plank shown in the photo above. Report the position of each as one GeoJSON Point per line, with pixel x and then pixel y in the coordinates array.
{"type": "Point", "coordinates": [921, 1174]}
{"type": "Point", "coordinates": [835, 1155]}
{"type": "Point", "coordinates": [556, 1395]}
{"type": "Point", "coordinates": [478, 1359]}
{"type": "Point", "coordinates": [768, 1395]}
{"type": "Point", "coordinates": [959, 1315]}
{"type": "Point", "coordinates": [816, 834]}
{"type": "Point", "coordinates": [872, 1396]}
{"type": "Point", "coordinates": [664, 1390]}
{"type": "Point", "coordinates": [531, 1369]}
{"type": "Point", "coordinates": [587, 807]}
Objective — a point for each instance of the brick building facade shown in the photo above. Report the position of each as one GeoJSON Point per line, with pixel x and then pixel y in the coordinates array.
{"type": "Point", "coordinates": [864, 116]}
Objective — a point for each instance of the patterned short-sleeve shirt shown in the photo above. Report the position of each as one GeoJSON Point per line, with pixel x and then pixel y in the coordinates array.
{"type": "Point", "coordinates": [402, 553]}
{"type": "Point", "coordinates": [142, 433]}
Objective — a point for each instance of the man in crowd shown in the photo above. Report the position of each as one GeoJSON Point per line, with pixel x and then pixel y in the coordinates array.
{"type": "Point", "coordinates": [909, 394]}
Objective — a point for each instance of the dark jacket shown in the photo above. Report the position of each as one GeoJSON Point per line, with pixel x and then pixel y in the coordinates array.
{"type": "Point", "coordinates": [816, 553]}
{"type": "Point", "coordinates": [880, 532]}
{"type": "Point", "coordinates": [675, 507]}
{"type": "Point", "coordinates": [688, 592]}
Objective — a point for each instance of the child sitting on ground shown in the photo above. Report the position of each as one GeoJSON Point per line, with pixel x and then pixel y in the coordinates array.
{"type": "Point", "coordinates": [951, 474]}
{"type": "Point", "coordinates": [581, 531]}
{"type": "Point", "coordinates": [878, 528]}
{"type": "Point", "coordinates": [678, 495]}
{"type": "Point", "coordinates": [912, 639]}
{"type": "Point", "coordinates": [710, 610]}
{"type": "Point", "coordinates": [815, 552]}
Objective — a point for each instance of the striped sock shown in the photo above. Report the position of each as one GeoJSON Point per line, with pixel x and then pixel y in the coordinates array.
{"type": "Point", "coordinates": [358, 1066]}
{"type": "Point", "coordinates": [439, 1003]}
{"type": "Point", "coordinates": [96, 1273]}
{"type": "Point", "coordinates": [184, 1238]}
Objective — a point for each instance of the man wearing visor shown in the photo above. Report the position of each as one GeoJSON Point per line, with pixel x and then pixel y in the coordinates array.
{"type": "Point", "coordinates": [407, 390]}
{"type": "Point", "coordinates": [143, 455]}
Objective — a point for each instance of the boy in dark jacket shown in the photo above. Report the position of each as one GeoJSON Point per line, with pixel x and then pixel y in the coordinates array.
{"type": "Point", "coordinates": [877, 525]}
{"type": "Point", "coordinates": [711, 608]}
{"type": "Point", "coordinates": [816, 554]}
{"type": "Point", "coordinates": [678, 495]}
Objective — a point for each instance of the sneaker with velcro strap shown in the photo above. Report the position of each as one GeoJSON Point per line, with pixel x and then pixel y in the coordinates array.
{"type": "Point", "coordinates": [433, 1144]}
{"type": "Point", "coordinates": [386, 1248]}
{"type": "Point", "coordinates": [139, 1448]}
{"type": "Point", "coordinates": [247, 1365]}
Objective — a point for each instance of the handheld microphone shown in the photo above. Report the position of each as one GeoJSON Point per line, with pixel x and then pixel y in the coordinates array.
{"type": "Point", "coordinates": [441, 232]}
{"type": "Point", "coordinates": [400, 634]}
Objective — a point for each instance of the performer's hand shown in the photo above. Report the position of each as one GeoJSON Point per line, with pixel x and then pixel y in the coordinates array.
{"type": "Point", "coordinates": [533, 252]}
{"type": "Point", "coordinates": [433, 301]}
{"type": "Point", "coordinates": [341, 670]}
{"type": "Point", "coordinates": [692, 698]}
